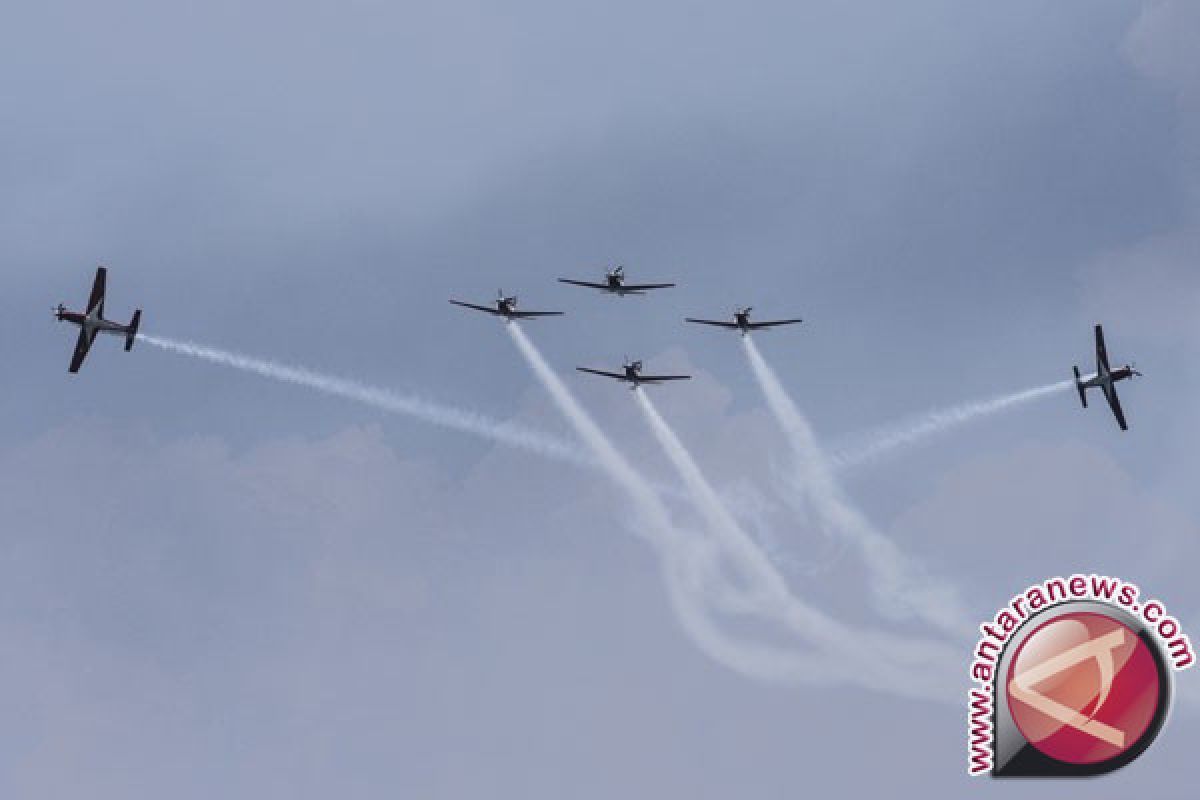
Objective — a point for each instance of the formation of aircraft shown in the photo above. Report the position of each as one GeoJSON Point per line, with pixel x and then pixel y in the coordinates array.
{"type": "Point", "coordinates": [614, 283]}
{"type": "Point", "coordinates": [741, 322]}
{"type": "Point", "coordinates": [632, 374]}
{"type": "Point", "coordinates": [1105, 379]}
{"type": "Point", "coordinates": [92, 322]}
{"type": "Point", "coordinates": [506, 306]}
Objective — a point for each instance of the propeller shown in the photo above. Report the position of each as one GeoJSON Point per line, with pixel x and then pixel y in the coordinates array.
{"type": "Point", "coordinates": [1133, 369]}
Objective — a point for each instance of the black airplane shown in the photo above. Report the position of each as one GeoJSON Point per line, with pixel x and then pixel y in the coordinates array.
{"type": "Point", "coordinates": [614, 283]}
{"type": "Point", "coordinates": [741, 322]}
{"type": "Point", "coordinates": [507, 307]}
{"type": "Point", "coordinates": [632, 374]}
{"type": "Point", "coordinates": [92, 322]}
{"type": "Point", "coordinates": [1105, 379]}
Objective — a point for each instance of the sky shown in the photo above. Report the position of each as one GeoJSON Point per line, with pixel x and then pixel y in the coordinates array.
{"type": "Point", "coordinates": [212, 582]}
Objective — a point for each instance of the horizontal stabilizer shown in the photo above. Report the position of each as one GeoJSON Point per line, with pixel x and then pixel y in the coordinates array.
{"type": "Point", "coordinates": [1080, 387]}
{"type": "Point", "coordinates": [131, 331]}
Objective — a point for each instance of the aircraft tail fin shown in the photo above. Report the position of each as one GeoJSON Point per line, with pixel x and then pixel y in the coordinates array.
{"type": "Point", "coordinates": [131, 331]}
{"type": "Point", "coordinates": [1080, 387]}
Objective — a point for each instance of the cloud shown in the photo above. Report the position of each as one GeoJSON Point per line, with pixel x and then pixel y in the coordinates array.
{"type": "Point", "coordinates": [1040, 510]}
{"type": "Point", "coordinates": [1161, 43]}
{"type": "Point", "coordinates": [292, 615]}
{"type": "Point", "coordinates": [182, 599]}
{"type": "Point", "coordinates": [1154, 284]}
{"type": "Point", "coordinates": [1152, 288]}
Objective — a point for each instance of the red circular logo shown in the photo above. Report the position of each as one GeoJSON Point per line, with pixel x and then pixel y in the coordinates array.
{"type": "Point", "coordinates": [1083, 688]}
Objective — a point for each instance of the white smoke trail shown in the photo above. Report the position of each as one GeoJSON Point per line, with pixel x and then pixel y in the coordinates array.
{"type": "Point", "coordinates": [756, 566]}
{"type": "Point", "coordinates": [695, 582]}
{"type": "Point", "coordinates": [688, 565]}
{"type": "Point", "coordinates": [899, 585]}
{"type": "Point", "coordinates": [392, 402]}
{"type": "Point", "coordinates": [874, 445]}
{"type": "Point", "coordinates": [691, 567]}
{"type": "Point", "coordinates": [612, 461]}
{"type": "Point", "coordinates": [771, 599]}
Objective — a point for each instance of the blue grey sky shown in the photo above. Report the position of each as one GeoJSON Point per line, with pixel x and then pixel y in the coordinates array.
{"type": "Point", "coordinates": [212, 583]}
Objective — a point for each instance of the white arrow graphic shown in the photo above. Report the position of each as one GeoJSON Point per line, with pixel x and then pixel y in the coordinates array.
{"type": "Point", "coordinates": [1021, 686]}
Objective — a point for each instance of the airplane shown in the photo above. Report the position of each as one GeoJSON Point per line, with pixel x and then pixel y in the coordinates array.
{"type": "Point", "coordinates": [507, 307]}
{"type": "Point", "coordinates": [92, 322]}
{"type": "Point", "coordinates": [741, 322]}
{"type": "Point", "coordinates": [632, 375]}
{"type": "Point", "coordinates": [614, 283]}
{"type": "Point", "coordinates": [1105, 379]}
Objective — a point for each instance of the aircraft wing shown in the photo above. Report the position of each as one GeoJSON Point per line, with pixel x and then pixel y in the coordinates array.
{"type": "Point", "coordinates": [661, 378]}
{"type": "Point", "coordinates": [1101, 351]}
{"type": "Point", "coordinates": [96, 300]}
{"type": "Point", "coordinates": [588, 284]}
{"type": "Point", "coordinates": [534, 314]}
{"type": "Point", "coordinates": [485, 309]}
{"type": "Point", "coordinates": [642, 287]}
{"type": "Point", "coordinates": [82, 345]}
{"type": "Point", "coordinates": [755, 326]}
{"type": "Point", "coordinates": [717, 323]}
{"type": "Point", "coordinates": [617, 375]}
{"type": "Point", "coordinates": [1114, 403]}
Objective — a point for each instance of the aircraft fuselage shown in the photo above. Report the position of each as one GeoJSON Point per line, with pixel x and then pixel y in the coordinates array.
{"type": "Point", "coordinates": [633, 375]}
{"type": "Point", "coordinates": [616, 284]}
{"type": "Point", "coordinates": [92, 323]}
{"type": "Point", "coordinates": [1104, 379]}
